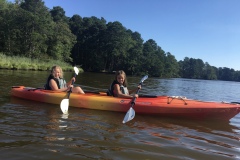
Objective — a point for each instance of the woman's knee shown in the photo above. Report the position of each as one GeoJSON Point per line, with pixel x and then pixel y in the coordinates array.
{"type": "Point", "coordinates": [79, 90]}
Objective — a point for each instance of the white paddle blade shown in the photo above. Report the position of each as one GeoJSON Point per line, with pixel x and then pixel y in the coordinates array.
{"type": "Point", "coordinates": [76, 70]}
{"type": "Point", "coordinates": [144, 78]}
{"type": "Point", "coordinates": [64, 106]}
{"type": "Point", "coordinates": [129, 116]}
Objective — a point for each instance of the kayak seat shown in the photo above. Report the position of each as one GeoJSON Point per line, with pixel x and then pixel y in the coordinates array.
{"type": "Point", "coordinates": [109, 92]}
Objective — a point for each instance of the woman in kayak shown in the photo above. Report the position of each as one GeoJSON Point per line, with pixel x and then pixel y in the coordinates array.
{"type": "Point", "coordinates": [119, 86]}
{"type": "Point", "coordinates": [56, 82]}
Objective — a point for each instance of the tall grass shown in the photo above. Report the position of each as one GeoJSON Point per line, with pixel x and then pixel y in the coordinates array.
{"type": "Point", "coordinates": [23, 63]}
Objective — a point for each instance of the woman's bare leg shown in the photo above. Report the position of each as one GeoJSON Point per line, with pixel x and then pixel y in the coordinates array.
{"type": "Point", "coordinates": [77, 90]}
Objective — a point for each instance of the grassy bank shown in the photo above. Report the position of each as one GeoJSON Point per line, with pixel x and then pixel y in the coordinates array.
{"type": "Point", "coordinates": [22, 63]}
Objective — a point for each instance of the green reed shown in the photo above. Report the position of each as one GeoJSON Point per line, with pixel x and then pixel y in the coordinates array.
{"type": "Point", "coordinates": [23, 63]}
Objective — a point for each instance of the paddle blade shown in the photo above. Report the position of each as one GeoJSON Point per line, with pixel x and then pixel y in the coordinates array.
{"type": "Point", "coordinates": [143, 79]}
{"type": "Point", "coordinates": [64, 106]}
{"type": "Point", "coordinates": [129, 116]}
{"type": "Point", "coordinates": [76, 70]}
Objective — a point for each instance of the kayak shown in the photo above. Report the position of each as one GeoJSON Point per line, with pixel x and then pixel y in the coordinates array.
{"type": "Point", "coordinates": [171, 106]}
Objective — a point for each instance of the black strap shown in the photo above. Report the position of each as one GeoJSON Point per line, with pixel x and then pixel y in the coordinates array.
{"type": "Point", "coordinates": [110, 91]}
{"type": "Point", "coordinates": [47, 86]}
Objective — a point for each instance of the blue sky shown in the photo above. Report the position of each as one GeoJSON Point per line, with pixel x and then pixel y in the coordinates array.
{"type": "Point", "coordinates": [204, 29]}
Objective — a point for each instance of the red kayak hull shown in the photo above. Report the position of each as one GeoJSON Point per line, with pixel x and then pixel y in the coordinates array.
{"type": "Point", "coordinates": [150, 105]}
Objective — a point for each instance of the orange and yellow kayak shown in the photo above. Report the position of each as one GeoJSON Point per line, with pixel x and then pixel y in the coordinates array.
{"type": "Point", "coordinates": [174, 106]}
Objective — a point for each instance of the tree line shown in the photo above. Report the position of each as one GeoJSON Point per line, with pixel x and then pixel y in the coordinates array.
{"type": "Point", "coordinates": [29, 29]}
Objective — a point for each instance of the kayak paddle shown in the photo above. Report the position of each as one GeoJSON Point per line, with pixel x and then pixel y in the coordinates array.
{"type": "Point", "coordinates": [131, 113]}
{"type": "Point", "coordinates": [65, 102]}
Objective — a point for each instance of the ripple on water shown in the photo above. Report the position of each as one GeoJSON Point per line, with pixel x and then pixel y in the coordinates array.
{"type": "Point", "coordinates": [36, 130]}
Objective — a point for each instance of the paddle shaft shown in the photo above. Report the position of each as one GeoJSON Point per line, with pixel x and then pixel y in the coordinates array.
{"type": "Point", "coordinates": [134, 99]}
{"type": "Point", "coordinates": [69, 92]}
{"type": "Point", "coordinates": [131, 113]}
{"type": "Point", "coordinates": [140, 84]}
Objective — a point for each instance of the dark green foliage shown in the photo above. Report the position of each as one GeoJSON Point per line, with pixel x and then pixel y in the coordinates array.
{"type": "Point", "coordinates": [58, 14]}
{"type": "Point", "coordinates": [28, 28]}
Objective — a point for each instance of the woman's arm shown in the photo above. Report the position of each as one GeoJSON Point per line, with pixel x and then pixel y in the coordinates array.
{"type": "Point", "coordinates": [119, 93]}
{"type": "Point", "coordinates": [54, 86]}
{"type": "Point", "coordinates": [70, 82]}
{"type": "Point", "coordinates": [132, 91]}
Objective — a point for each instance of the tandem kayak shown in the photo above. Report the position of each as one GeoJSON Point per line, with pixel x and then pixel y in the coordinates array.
{"type": "Point", "coordinates": [174, 106]}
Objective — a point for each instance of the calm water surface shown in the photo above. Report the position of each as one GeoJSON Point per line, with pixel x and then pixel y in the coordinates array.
{"type": "Point", "coordinates": [31, 130]}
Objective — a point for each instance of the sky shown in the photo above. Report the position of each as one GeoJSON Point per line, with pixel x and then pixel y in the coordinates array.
{"type": "Point", "coordinates": [201, 29]}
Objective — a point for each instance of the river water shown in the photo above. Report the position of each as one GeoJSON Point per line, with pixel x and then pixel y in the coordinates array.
{"type": "Point", "coordinates": [32, 130]}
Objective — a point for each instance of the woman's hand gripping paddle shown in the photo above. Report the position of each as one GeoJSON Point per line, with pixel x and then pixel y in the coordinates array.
{"type": "Point", "coordinates": [131, 113]}
{"type": "Point", "coordinates": [65, 102]}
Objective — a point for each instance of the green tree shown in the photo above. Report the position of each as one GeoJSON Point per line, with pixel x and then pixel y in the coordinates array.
{"type": "Point", "coordinates": [58, 14]}
{"type": "Point", "coordinates": [62, 40]}
{"type": "Point", "coordinates": [153, 59]}
{"type": "Point", "coordinates": [171, 68]}
{"type": "Point", "coordinates": [236, 75]}
{"type": "Point", "coordinates": [117, 43]}
{"type": "Point", "coordinates": [35, 30]}
{"type": "Point", "coordinates": [76, 27]}
{"type": "Point", "coordinates": [60, 44]}
{"type": "Point", "coordinates": [209, 72]}
{"type": "Point", "coordinates": [9, 31]}
{"type": "Point", "coordinates": [89, 47]}
{"type": "Point", "coordinates": [198, 66]}
{"type": "Point", "coordinates": [226, 74]}
{"type": "Point", "coordinates": [28, 28]}
{"type": "Point", "coordinates": [133, 63]}
{"type": "Point", "coordinates": [191, 68]}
